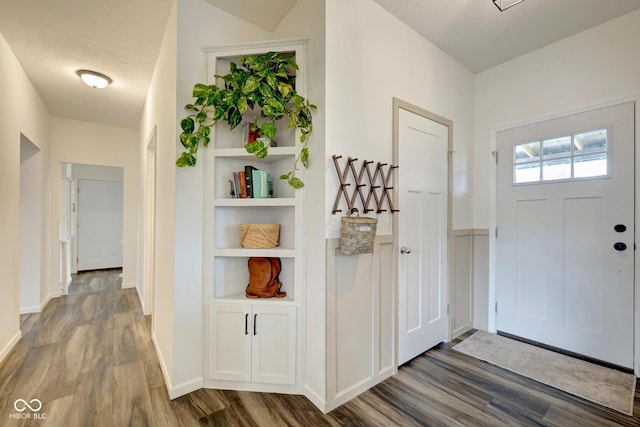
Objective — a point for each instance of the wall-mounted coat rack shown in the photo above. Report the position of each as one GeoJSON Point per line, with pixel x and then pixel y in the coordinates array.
{"type": "Point", "coordinates": [377, 185]}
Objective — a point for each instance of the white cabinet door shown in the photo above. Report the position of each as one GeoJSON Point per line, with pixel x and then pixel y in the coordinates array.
{"type": "Point", "coordinates": [230, 342]}
{"type": "Point", "coordinates": [274, 344]}
{"type": "Point", "coordinates": [252, 343]}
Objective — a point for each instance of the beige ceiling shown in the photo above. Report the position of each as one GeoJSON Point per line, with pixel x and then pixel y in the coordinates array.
{"type": "Point", "coordinates": [121, 38]}
{"type": "Point", "coordinates": [479, 36]}
{"type": "Point", "coordinates": [263, 13]}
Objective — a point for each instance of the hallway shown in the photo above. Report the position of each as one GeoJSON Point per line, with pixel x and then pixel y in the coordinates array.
{"type": "Point", "coordinates": [88, 357]}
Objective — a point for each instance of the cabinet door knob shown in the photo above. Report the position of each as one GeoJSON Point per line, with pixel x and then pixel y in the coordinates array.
{"type": "Point", "coordinates": [405, 250]}
{"type": "Point", "coordinates": [246, 323]}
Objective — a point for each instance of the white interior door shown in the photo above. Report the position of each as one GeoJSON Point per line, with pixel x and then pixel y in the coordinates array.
{"type": "Point", "coordinates": [565, 246]}
{"type": "Point", "coordinates": [100, 211]}
{"type": "Point", "coordinates": [422, 234]}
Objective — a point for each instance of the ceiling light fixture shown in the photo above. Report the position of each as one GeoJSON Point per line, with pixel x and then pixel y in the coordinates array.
{"type": "Point", "coordinates": [505, 4]}
{"type": "Point", "coordinates": [94, 79]}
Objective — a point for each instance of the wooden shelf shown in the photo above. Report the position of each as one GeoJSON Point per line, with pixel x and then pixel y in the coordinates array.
{"type": "Point", "coordinates": [248, 202]}
{"type": "Point", "coordinates": [245, 252]}
{"type": "Point", "coordinates": [242, 299]}
{"type": "Point", "coordinates": [275, 154]}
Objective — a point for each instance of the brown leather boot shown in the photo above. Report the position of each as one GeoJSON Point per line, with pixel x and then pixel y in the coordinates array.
{"type": "Point", "coordinates": [263, 278]}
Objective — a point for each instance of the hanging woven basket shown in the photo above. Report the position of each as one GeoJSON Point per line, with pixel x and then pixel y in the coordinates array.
{"type": "Point", "coordinates": [357, 234]}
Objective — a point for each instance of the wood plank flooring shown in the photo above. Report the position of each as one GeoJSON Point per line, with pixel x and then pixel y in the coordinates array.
{"type": "Point", "coordinates": [90, 360]}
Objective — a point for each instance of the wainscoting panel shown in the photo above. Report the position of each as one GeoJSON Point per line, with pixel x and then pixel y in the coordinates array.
{"type": "Point", "coordinates": [360, 320]}
{"type": "Point", "coordinates": [481, 281]}
{"type": "Point", "coordinates": [469, 266]}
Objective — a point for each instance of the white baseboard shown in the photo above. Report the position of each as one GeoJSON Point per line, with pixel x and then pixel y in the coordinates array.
{"type": "Point", "coordinates": [39, 308]}
{"type": "Point", "coordinates": [29, 310]}
{"type": "Point", "coordinates": [180, 389]}
{"type": "Point", "coordinates": [314, 398]}
{"type": "Point", "coordinates": [7, 348]}
{"type": "Point", "coordinates": [163, 366]}
{"type": "Point", "coordinates": [185, 387]}
{"type": "Point", "coordinates": [128, 285]}
{"type": "Point", "coordinates": [358, 388]}
{"type": "Point", "coordinates": [481, 326]}
{"type": "Point", "coordinates": [461, 330]}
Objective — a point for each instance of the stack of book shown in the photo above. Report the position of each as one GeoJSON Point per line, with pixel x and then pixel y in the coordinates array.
{"type": "Point", "coordinates": [251, 183]}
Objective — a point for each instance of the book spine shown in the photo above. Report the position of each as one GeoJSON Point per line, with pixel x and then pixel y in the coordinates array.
{"type": "Point", "coordinates": [243, 185]}
{"type": "Point", "coordinates": [257, 184]}
{"type": "Point", "coordinates": [248, 177]}
{"type": "Point", "coordinates": [264, 189]}
{"type": "Point", "coordinates": [236, 186]}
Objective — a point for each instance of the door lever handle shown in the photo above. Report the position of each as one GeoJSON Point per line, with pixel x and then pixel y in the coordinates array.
{"type": "Point", "coordinates": [405, 250]}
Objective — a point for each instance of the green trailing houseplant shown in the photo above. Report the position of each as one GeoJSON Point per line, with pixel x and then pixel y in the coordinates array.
{"type": "Point", "coordinates": [266, 81]}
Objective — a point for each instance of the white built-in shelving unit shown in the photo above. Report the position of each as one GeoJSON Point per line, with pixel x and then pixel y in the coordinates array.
{"type": "Point", "coordinates": [252, 344]}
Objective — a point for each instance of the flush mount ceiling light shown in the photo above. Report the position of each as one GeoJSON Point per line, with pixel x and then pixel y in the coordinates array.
{"type": "Point", "coordinates": [505, 4]}
{"type": "Point", "coordinates": [94, 79]}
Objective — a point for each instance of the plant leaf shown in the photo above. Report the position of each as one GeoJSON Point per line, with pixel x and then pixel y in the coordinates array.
{"type": "Point", "coordinates": [268, 129]}
{"type": "Point", "coordinates": [272, 81]}
{"type": "Point", "coordinates": [242, 104]}
{"type": "Point", "coordinates": [191, 141]}
{"type": "Point", "coordinates": [262, 153]}
{"type": "Point", "coordinates": [186, 159]}
{"type": "Point", "coordinates": [275, 103]}
{"type": "Point", "coordinates": [265, 90]}
{"type": "Point", "coordinates": [295, 182]}
{"type": "Point", "coordinates": [201, 90]}
{"type": "Point", "coordinates": [250, 85]}
{"type": "Point", "coordinates": [201, 117]}
{"type": "Point", "coordinates": [187, 125]}
{"type": "Point", "coordinates": [304, 157]}
{"type": "Point", "coordinates": [255, 147]}
{"type": "Point", "coordinates": [285, 89]}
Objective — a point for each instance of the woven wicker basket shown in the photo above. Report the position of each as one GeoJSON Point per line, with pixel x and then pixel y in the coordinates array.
{"type": "Point", "coordinates": [357, 234]}
{"type": "Point", "coordinates": [259, 236]}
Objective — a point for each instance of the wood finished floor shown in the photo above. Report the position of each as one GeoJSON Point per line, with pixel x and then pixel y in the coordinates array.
{"type": "Point", "coordinates": [89, 358]}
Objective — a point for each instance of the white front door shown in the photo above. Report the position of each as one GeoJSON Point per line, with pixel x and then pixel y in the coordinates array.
{"type": "Point", "coordinates": [565, 245]}
{"type": "Point", "coordinates": [422, 234]}
{"type": "Point", "coordinates": [100, 211]}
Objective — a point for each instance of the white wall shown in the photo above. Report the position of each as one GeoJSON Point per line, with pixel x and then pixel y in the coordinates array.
{"type": "Point", "coordinates": [104, 173]}
{"type": "Point", "coordinates": [31, 222]}
{"type": "Point", "coordinates": [178, 317]}
{"type": "Point", "coordinates": [89, 143]}
{"type": "Point", "coordinates": [21, 111]}
{"type": "Point", "coordinates": [595, 67]}
{"type": "Point", "coordinates": [307, 20]}
{"type": "Point", "coordinates": [200, 25]}
{"type": "Point", "coordinates": [160, 112]}
{"type": "Point", "coordinates": [372, 57]}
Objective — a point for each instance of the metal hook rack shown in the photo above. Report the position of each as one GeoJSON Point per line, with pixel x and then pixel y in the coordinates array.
{"type": "Point", "coordinates": [377, 185]}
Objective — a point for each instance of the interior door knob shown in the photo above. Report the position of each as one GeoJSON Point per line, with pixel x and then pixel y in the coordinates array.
{"type": "Point", "coordinates": [405, 250]}
{"type": "Point", "coordinates": [619, 246]}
